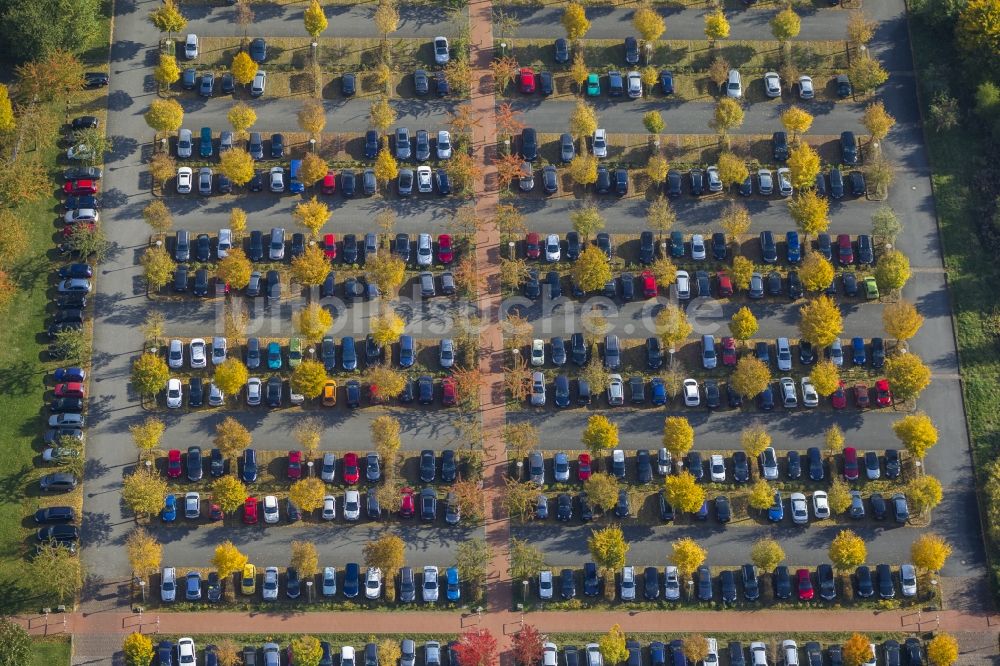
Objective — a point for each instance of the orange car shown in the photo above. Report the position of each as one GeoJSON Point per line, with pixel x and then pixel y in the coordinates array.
{"type": "Point", "coordinates": [330, 393]}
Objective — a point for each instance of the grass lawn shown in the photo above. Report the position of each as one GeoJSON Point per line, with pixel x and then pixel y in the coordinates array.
{"type": "Point", "coordinates": [24, 369]}
{"type": "Point", "coordinates": [972, 268]}
{"type": "Point", "coordinates": [50, 652]}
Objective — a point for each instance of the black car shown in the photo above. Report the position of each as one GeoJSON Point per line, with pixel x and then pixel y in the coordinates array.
{"type": "Point", "coordinates": [765, 399]}
{"type": "Point", "coordinates": [865, 255]}
{"type": "Point", "coordinates": [807, 353]}
{"type": "Point", "coordinates": [66, 406]}
{"type": "Point", "coordinates": [883, 578]}
{"type": "Point", "coordinates": [562, 50]}
{"type": "Point", "coordinates": [667, 82]}
{"type": "Point", "coordinates": [298, 246]}
{"type": "Point", "coordinates": [713, 397]}
{"type": "Point", "coordinates": [621, 182]}
{"type": "Point", "coordinates": [578, 349]}
{"type": "Point", "coordinates": [850, 284]}
{"type": "Point", "coordinates": [631, 51]}
{"type": "Point", "coordinates": [782, 582]}
{"type": "Point", "coordinates": [552, 281]}
{"type": "Point", "coordinates": [673, 184]}
{"type": "Point", "coordinates": [814, 654]}
{"type": "Point", "coordinates": [723, 512]}
{"type": "Point", "coordinates": [697, 182]}
{"type": "Point", "coordinates": [428, 504]}
{"type": "Point", "coordinates": [591, 580]}
{"type": "Point", "coordinates": [643, 464]}
{"type": "Point", "coordinates": [371, 144]}
{"type": "Point", "coordinates": [741, 467]}
{"type": "Point", "coordinates": [651, 583]}
{"type": "Point", "coordinates": [603, 183]}
{"type": "Point", "coordinates": [824, 246]}
{"type": "Point", "coordinates": [893, 655]}
{"type": "Point", "coordinates": [768, 247]}
{"type": "Point", "coordinates": [704, 583]}
{"type": "Point", "coordinates": [532, 286]}
{"type": "Point", "coordinates": [848, 148]}
{"type": "Point", "coordinates": [727, 581]}
{"type": "Point", "coordinates": [348, 84]}
{"type": "Point", "coordinates": [550, 179]}
{"type": "Point", "coordinates": [545, 83]}
{"type": "Point", "coordinates": [604, 243]}
{"type": "Point", "coordinates": [623, 508]}
{"type": "Point", "coordinates": [425, 394]}
{"type": "Point", "coordinates": [666, 510]}
{"type": "Point", "coordinates": [441, 87]}
{"type": "Point", "coordinates": [843, 86]}
{"type": "Point", "coordinates": [647, 248]}
{"type": "Point", "coordinates": [256, 250]}
{"type": "Point", "coordinates": [348, 183]}
{"type": "Point", "coordinates": [794, 464]}
{"type": "Point", "coordinates": [695, 466]}
{"type": "Point", "coordinates": [196, 392]}
{"type": "Point", "coordinates": [561, 391]}
{"type": "Point", "coordinates": [751, 584]}
{"type": "Point", "coordinates": [272, 391]}
{"type": "Point", "coordinates": [529, 144]}
{"type": "Point", "coordinates": [55, 514]}
{"type": "Point", "coordinates": [836, 183]}
{"type": "Point", "coordinates": [827, 584]}
{"type": "Point", "coordinates": [428, 466]}
{"type": "Point", "coordinates": [816, 472]}
{"type": "Point", "coordinates": [794, 285]}
{"type": "Point", "coordinates": [892, 464]}
{"type": "Point", "coordinates": [878, 358]}
{"type": "Point", "coordinates": [420, 82]}
{"type": "Point", "coordinates": [820, 185]}
{"type": "Point", "coordinates": [277, 146]}
{"type": "Point", "coordinates": [564, 507]}
{"type": "Point", "coordinates": [773, 283]}
{"type": "Point", "coordinates": [567, 586]}
{"type": "Point", "coordinates": [912, 654]}
{"type": "Point", "coordinates": [864, 586]}
{"type": "Point", "coordinates": [654, 353]}
{"type": "Point", "coordinates": [95, 79]}
{"type": "Point", "coordinates": [719, 249]}
{"type": "Point", "coordinates": [879, 509]}
{"type": "Point", "coordinates": [779, 146]}
{"type": "Point", "coordinates": [558, 352]}
{"type": "Point", "coordinates": [449, 466]}
{"type": "Point", "coordinates": [194, 466]}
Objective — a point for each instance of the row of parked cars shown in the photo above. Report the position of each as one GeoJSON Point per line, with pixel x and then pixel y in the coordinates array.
{"type": "Point", "coordinates": [184, 651]}
{"type": "Point", "coordinates": [668, 585]}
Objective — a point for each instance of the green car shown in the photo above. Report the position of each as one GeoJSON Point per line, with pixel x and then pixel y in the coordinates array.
{"type": "Point", "coordinates": [294, 352]}
{"type": "Point", "coordinates": [593, 85]}
{"type": "Point", "coordinates": [871, 288]}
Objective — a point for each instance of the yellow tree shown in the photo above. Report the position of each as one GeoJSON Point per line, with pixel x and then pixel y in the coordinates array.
{"type": "Point", "coordinates": [657, 168]}
{"type": "Point", "coordinates": [305, 559]}
{"type": "Point", "coordinates": [587, 220]}
{"type": "Point", "coordinates": [859, 29]}
{"type": "Point", "coordinates": [684, 492]}
{"type": "Point", "coordinates": [672, 326]}
{"type": "Point", "coordinates": [389, 381]}
{"type": "Point", "coordinates": [231, 376]}
{"type": "Point", "coordinates": [754, 440]}
{"type": "Point", "coordinates": [833, 438]}
{"type": "Point", "coordinates": [592, 270]}
{"type": "Point", "coordinates": [917, 433]}
{"type": "Point", "coordinates": [660, 215]}
{"type": "Point", "coordinates": [741, 272]}
{"type": "Point", "coordinates": [733, 171]}
{"type": "Point", "coordinates": [144, 552]}
{"type": "Point", "coordinates": [231, 437]}
{"type": "Point", "coordinates": [728, 116]}
{"type": "Point", "coordinates": [785, 25]}
{"type": "Point", "coordinates": [687, 556]}
{"type": "Point", "coordinates": [820, 321]}
{"type": "Point", "coordinates": [386, 168]}
{"type": "Point", "coordinates": [381, 115]}
{"type": "Point", "coordinates": [167, 72]}
{"type": "Point", "coordinates": [599, 436]}
{"type": "Point", "coordinates": [307, 649]}
{"type": "Point", "coordinates": [866, 73]}
{"type": "Point", "coordinates": [312, 214]}
{"type": "Point", "coordinates": [243, 68]}
{"type": "Point", "coordinates": [907, 375]}
{"type": "Point", "coordinates": [803, 161]}
{"type": "Point", "coordinates": [309, 378]}
{"type": "Point", "coordinates": [387, 327]}
{"type": "Point", "coordinates": [583, 120]}
{"type": "Point", "coordinates": [796, 121]}
{"type": "Point", "coordinates": [847, 551]}
{"type": "Point", "coordinates": [924, 493]}
{"type": "Point", "coordinates": [312, 117]}
{"type": "Point", "coordinates": [582, 169]}
{"type": "Point", "coordinates": [942, 650]}
{"type": "Point", "coordinates": [387, 271]}
{"type": "Point", "coordinates": [574, 20]}
{"type": "Point", "coordinates": [387, 553]}
{"type": "Point", "coordinates": [313, 321]}
{"type": "Point", "coordinates": [612, 645]}
{"type": "Point", "coordinates": [229, 493]}
{"type": "Point", "coordinates": [929, 552]}
{"type": "Point", "coordinates": [716, 26]}
{"type": "Point", "coordinates": [7, 120]}
{"type": "Point", "coordinates": [228, 560]}
{"type": "Point", "coordinates": [578, 71]}
{"type": "Point", "coordinates": [147, 435]}
{"type": "Point", "coordinates": [695, 648]}
{"type": "Point", "coordinates": [892, 270]}
{"type": "Point", "coordinates": [877, 120]}
{"type": "Point", "coordinates": [750, 377]}
{"type": "Point", "coordinates": [901, 320]}
{"type": "Point", "coordinates": [149, 374]}
{"type": "Point", "coordinates": [608, 547]}
{"type": "Point", "coordinates": [839, 495]}
{"type": "Point", "coordinates": [164, 115]}
{"type": "Point", "coordinates": [648, 23]}
{"type": "Point", "coordinates": [167, 18]}
{"type": "Point", "coordinates": [235, 269]}
{"type": "Point", "coordinates": [678, 435]}
{"type": "Point", "coordinates": [743, 325]}
{"type": "Point", "coordinates": [143, 491]}
{"type": "Point", "coordinates": [242, 117]}
{"type": "Point", "coordinates": [314, 19]}
{"type": "Point", "coordinates": [237, 165]}
{"type": "Point", "coordinates": [314, 167]}
{"type": "Point", "coordinates": [386, 18]}
{"type": "Point", "coordinates": [311, 267]}
{"type": "Point", "coordinates": [825, 377]}
{"type": "Point", "coordinates": [766, 553]}
{"type": "Point", "coordinates": [602, 490]}
{"type": "Point", "coordinates": [137, 649]}
{"type": "Point", "coordinates": [857, 650]}
{"type": "Point", "coordinates": [816, 272]}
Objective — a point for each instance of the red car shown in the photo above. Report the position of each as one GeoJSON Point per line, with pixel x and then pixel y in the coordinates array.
{"type": "Point", "coordinates": [850, 464]}
{"type": "Point", "coordinates": [250, 511]}
{"type": "Point", "coordinates": [583, 466]}
{"type": "Point", "coordinates": [351, 468]}
{"type": "Point", "coordinates": [839, 397]}
{"type": "Point", "coordinates": [80, 187]}
{"type": "Point", "coordinates": [532, 246]}
{"type": "Point", "coordinates": [445, 252]}
{"type": "Point", "coordinates": [374, 396]}
{"type": "Point", "coordinates": [527, 79]}
{"type": "Point", "coordinates": [648, 284]}
{"type": "Point", "coordinates": [330, 246]}
{"type": "Point", "coordinates": [329, 183]}
{"type": "Point", "coordinates": [449, 395]}
{"type": "Point", "coordinates": [294, 465]}
{"type": "Point", "coordinates": [69, 390]}
{"type": "Point", "coordinates": [861, 396]}
{"type": "Point", "coordinates": [883, 396]}
{"type": "Point", "coordinates": [845, 251]}
{"type": "Point", "coordinates": [406, 505]}
{"type": "Point", "coordinates": [729, 355]}
{"type": "Point", "coordinates": [725, 285]}
{"type": "Point", "coordinates": [70, 228]}
{"type": "Point", "coordinates": [805, 585]}
{"type": "Point", "coordinates": [214, 512]}
{"type": "Point", "coordinates": [173, 463]}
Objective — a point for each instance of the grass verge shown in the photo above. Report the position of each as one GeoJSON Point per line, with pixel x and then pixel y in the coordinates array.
{"type": "Point", "coordinates": [50, 652]}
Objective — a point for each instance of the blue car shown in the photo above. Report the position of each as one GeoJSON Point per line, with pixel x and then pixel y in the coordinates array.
{"type": "Point", "coordinates": [858, 351]}
{"type": "Point", "coordinates": [777, 511]}
{"type": "Point", "coordinates": [658, 391]}
{"type": "Point", "coordinates": [165, 654]}
{"type": "Point", "coordinates": [454, 586]}
{"type": "Point", "coordinates": [169, 512]}
{"type": "Point", "coordinates": [793, 247]}
{"type": "Point", "coordinates": [70, 375]}
{"type": "Point", "coordinates": [273, 356]}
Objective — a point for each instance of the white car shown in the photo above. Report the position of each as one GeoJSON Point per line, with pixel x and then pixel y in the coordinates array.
{"type": "Point", "coordinates": [346, 656]}
{"type": "Point", "coordinates": [791, 652]}
{"type": "Point", "coordinates": [692, 397]}
{"type": "Point", "coordinates": [821, 506]}
{"type": "Point", "coordinates": [191, 46]}
{"type": "Point", "coordinates": [373, 583]}
{"type": "Point", "coordinates": [79, 152]}
{"type": "Point", "coordinates": [424, 184]}
{"type": "Point", "coordinates": [552, 250]}
{"type": "Point", "coordinates": [443, 146]}
{"type": "Point", "coordinates": [765, 183]}
{"type": "Point", "coordinates": [329, 581]}
{"type": "Point", "coordinates": [712, 658]}
{"type": "Point", "coordinates": [198, 357]}
{"type": "Point", "coordinates": [184, 177]}
{"type": "Point", "coordinates": [600, 142]}
{"type": "Point", "coordinates": [800, 510]}
{"type": "Point", "coordinates": [683, 284]}
{"type": "Point", "coordinates": [215, 396]}
{"type": "Point", "coordinates": [425, 250]}
{"type": "Point", "coordinates": [259, 83]}
{"type": "Point", "coordinates": [634, 85]}
{"type": "Point", "coordinates": [758, 654]}
{"type": "Point", "coordinates": [616, 390]}
{"type": "Point", "coordinates": [185, 651]}
{"type": "Point", "coordinates": [714, 181]}
{"type": "Point", "coordinates": [270, 506]}
{"type": "Point", "coordinates": [772, 84]}
{"type": "Point", "coordinates": [254, 388]}
{"type": "Point", "coordinates": [698, 247]}
{"type": "Point", "coordinates": [175, 354]}
{"type": "Point", "coordinates": [806, 87]}
{"type": "Point", "coordinates": [545, 584]}
{"type": "Point", "coordinates": [192, 505]}
{"type": "Point", "coordinates": [734, 85]}
{"type": "Point", "coordinates": [270, 587]}
{"type": "Point", "coordinates": [329, 507]}
{"type": "Point", "coordinates": [352, 505]}
{"type": "Point", "coordinates": [873, 660]}
{"type": "Point", "coordinates": [784, 354]}
{"type": "Point", "coordinates": [225, 243]}
{"type": "Point", "coordinates": [908, 580]}
{"type": "Point", "coordinates": [219, 348]}
{"type": "Point", "coordinates": [441, 54]}
{"type": "Point", "coordinates": [168, 584]}
{"type": "Point", "coordinates": [537, 352]}
{"type": "Point", "coordinates": [785, 182]}
{"type": "Point", "coordinates": [717, 465]}
{"type": "Point", "coordinates": [277, 179]}
{"type": "Point", "coordinates": [550, 654]}
{"type": "Point", "coordinates": [429, 591]}
{"type": "Point", "coordinates": [671, 584]}
{"type": "Point", "coordinates": [789, 398]}
{"type": "Point", "coordinates": [175, 394]}
{"type": "Point", "coordinates": [82, 215]}
{"type": "Point", "coordinates": [810, 398]}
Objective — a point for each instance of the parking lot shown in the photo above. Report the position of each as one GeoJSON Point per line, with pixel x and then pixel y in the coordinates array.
{"type": "Point", "coordinates": [122, 304]}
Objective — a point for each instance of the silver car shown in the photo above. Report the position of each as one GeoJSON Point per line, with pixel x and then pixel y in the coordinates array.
{"type": "Point", "coordinates": [567, 149]}
{"type": "Point", "coordinates": [259, 83]}
{"type": "Point", "coordinates": [634, 85]}
{"type": "Point", "coordinates": [204, 181]}
{"type": "Point", "coordinates": [537, 389]}
{"type": "Point", "coordinates": [765, 183]}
